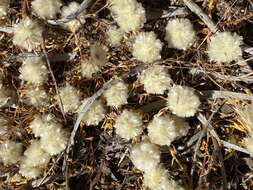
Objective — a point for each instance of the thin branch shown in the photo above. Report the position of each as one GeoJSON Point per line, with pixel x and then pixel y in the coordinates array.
{"type": "Point", "coordinates": [54, 80]}
{"type": "Point", "coordinates": [6, 29]}
{"type": "Point", "coordinates": [247, 78]}
{"type": "Point", "coordinates": [72, 16]}
{"type": "Point", "coordinates": [214, 94]}
{"type": "Point", "coordinates": [203, 16]}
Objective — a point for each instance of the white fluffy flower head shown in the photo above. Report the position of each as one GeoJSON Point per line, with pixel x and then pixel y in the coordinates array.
{"type": "Point", "coordinates": [145, 156]}
{"type": "Point", "coordinates": [69, 97]}
{"type": "Point", "coordinates": [147, 48]}
{"type": "Point", "coordinates": [36, 97]}
{"type": "Point", "coordinates": [95, 114]}
{"type": "Point", "coordinates": [88, 68]}
{"type": "Point", "coordinates": [55, 140]}
{"type": "Point", "coordinates": [28, 171]}
{"type": "Point", "coordinates": [10, 152]}
{"type": "Point", "coordinates": [75, 24]}
{"type": "Point", "coordinates": [165, 129]}
{"type": "Point", "coordinates": [225, 47]}
{"type": "Point", "coordinates": [4, 4]}
{"type": "Point", "coordinates": [115, 36]}
{"type": "Point", "coordinates": [117, 94]}
{"type": "Point", "coordinates": [35, 155]}
{"type": "Point", "coordinates": [27, 34]}
{"type": "Point", "coordinates": [179, 33]}
{"type": "Point", "coordinates": [129, 14]}
{"type": "Point", "coordinates": [33, 70]}
{"type": "Point", "coordinates": [46, 8]}
{"type": "Point", "coordinates": [156, 179]}
{"type": "Point", "coordinates": [128, 125]}
{"type": "Point", "coordinates": [41, 123]}
{"type": "Point", "coordinates": [183, 101]}
{"type": "Point", "coordinates": [155, 79]}
{"type": "Point", "coordinates": [53, 137]}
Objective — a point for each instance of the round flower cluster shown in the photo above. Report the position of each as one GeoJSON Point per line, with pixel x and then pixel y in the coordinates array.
{"type": "Point", "coordinates": [165, 129]}
{"type": "Point", "coordinates": [114, 36]}
{"type": "Point", "coordinates": [179, 33]}
{"type": "Point", "coordinates": [225, 47]}
{"type": "Point", "coordinates": [46, 8]}
{"type": "Point", "coordinates": [182, 101]}
{"type": "Point", "coordinates": [53, 137]}
{"type": "Point", "coordinates": [27, 34]}
{"type": "Point", "coordinates": [75, 24]}
{"type": "Point", "coordinates": [117, 94]}
{"type": "Point", "coordinates": [10, 152]}
{"type": "Point", "coordinates": [95, 114]}
{"type": "Point", "coordinates": [128, 125]}
{"type": "Point", "coordinates": [145, 156]}
{"type": "Point", "coordinates": [129, 14]}
{"type": "Point", "coordinates": [155, 79]}
{"type": "Point", "coordinates": [147, 47]}
{"type": "Point", "coordinates": [53, 140]}
{"type": "Point", "coordinates": [33, 70]}
{"type": "Point", "coordinates": [69, 97]}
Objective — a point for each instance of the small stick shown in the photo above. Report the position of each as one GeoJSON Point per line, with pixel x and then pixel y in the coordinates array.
{"type": "Point", "coordinates": [6, 29]}
{"type": "Point", "coordinates": [214, 94]}
{"type": "Point", "coordinates": [72, 16]}
{"type": "Point", "coordinates": [54, 80]}
{"type": "Point", "coordinates": [203, 16]}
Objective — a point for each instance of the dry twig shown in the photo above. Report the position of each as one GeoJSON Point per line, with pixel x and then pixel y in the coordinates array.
{"type": "Point", "coordinates": [72, 16]}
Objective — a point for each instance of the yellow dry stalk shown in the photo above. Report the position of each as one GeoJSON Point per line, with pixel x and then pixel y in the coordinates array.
{"type": "Point", "coordinates": [210, 5]}
{"type": "Point", "coordinates": [107, 124]}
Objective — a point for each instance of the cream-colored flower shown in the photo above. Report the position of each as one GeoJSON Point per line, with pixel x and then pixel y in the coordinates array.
{"type": "Point", "coordinates": [55, 140]}
{"type": "Point", "coordinates": [156, 179]}
{"type": "Point", "coordinates": [69, 98]}
{"type": "Point", "coordinates": [40, 124]}
{"type": "Point", "coordinates": [34, 155]}
{"type": "Point", "coordinates": [129, 14]}
{"type": "Point", "coordinates": [165, 129]}
{"type": "Point", "coordinates": [75, 24]}
{"type": "Point", "coordinates": [128, 124]}
{"type": "Point", "coordinates": [183, 101]}
{"type": "Point", "coordinates": [95, 114]}
{"type": "Point", "coordinates": [10, 152]}
{"type": "Point", "coordinates": [155, 79]}
{"type": "Point", "coordinates": [36, 97]}
{"type": "Point", "coordinates": [28, 171]}
{"type": "Point", "coordinates": [115, 36]}
{"type": "Point", "coordinates": [179, 33]}
{"type": "Point", "coordinates": [46, 8]}
{"type": "Point", "coordinates": [145, 156]}
{"type": "Point", "coordinates": [225, 47]}
{"type": "Point", "coordinates": [117, 94]}
{"type": "Point", "coordinates": [33, 70]}
{"type": "Point", "coordinates": [88, 69]}
{"type": "Point", "coordinates": [27, 34]}
{"type": "Point", "coordinates": [147, 47]}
